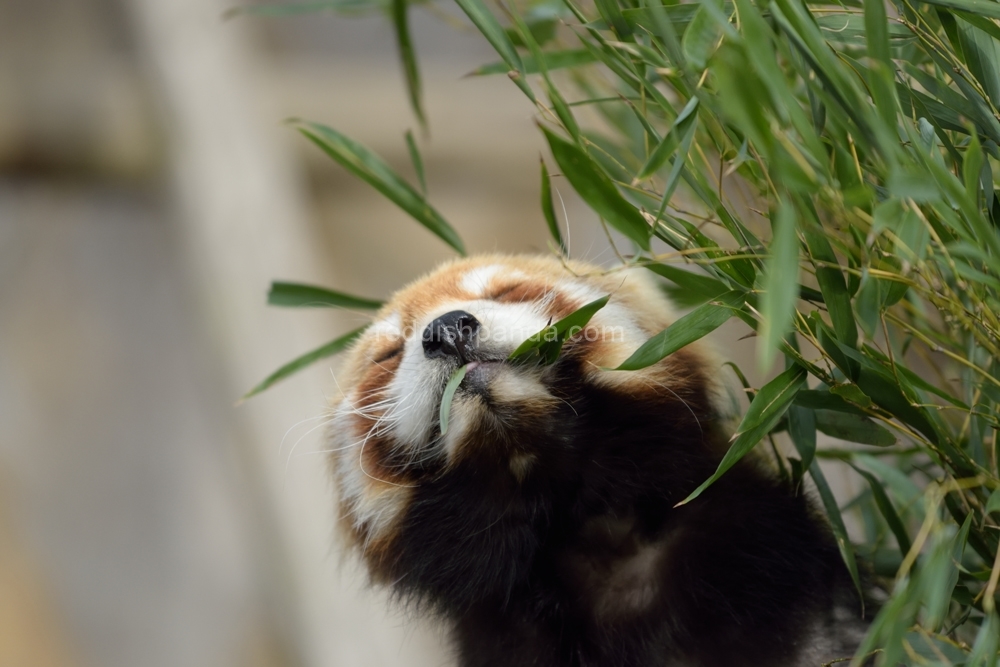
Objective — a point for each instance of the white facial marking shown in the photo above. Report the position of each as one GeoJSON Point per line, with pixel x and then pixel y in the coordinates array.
{"type": "Point", "coordinates": [464, 413]}
{"type": "Point", "coordinates": [372, 504]}
{"type": "Point", "coordinates": [476, 280]}
{"type": "Point", "coordinates": [387, 326]}
{"type": "Point", "coordinates": [578, 291]}
{"type": "Point", "coordinates": [512, 385]}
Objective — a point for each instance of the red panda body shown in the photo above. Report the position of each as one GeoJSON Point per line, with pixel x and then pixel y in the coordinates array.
{"type": "Point", "coordinates": [541, 525]}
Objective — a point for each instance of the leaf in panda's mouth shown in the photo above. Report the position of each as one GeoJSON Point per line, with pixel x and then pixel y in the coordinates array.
{"type": "Point", "coordinates": [544, 347]}
{"type": "Point", "coordinates": [449, 395]}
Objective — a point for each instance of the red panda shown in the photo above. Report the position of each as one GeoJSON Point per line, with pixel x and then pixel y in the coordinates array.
{"type": "Point", "coordinates": [541, 525]}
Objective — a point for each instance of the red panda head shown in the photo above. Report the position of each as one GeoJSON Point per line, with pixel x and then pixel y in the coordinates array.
{"type": "Point", "coordinates": [523, 440]}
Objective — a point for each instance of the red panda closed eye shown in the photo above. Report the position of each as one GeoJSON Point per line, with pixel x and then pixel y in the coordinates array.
{"type": "Point", "coordinates": [541, 525]}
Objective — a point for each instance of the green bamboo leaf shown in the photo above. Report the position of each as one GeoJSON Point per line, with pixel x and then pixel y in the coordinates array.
{"type": "Point", "coordinates": [877, 32]}
{"type": "Point", "coordinates": [971, 168]}
{"type": "Point", "coordinates": [612, 14]}
{"type": "Point", "coordinates": [685, 119]}
{"type": "Point", "coordinates": [418, 163]}
{"type": "Point", "coordinates": [296, 8]}
{"type": "Point", "coordinates": [825, 400]}
{"type": "Point", "coordinates": [370, 168]}
{"type": "Point", "coordinates": [993, 504]}
{"type": "Point", "coordinates": [834, 287]}
{"type": "Point", "coordinates": [982, 55]}
{"type": "Point", "coordinates": [850, 29]}
{"type": "Point", "coordinates": [553, 60]}
{"type": "Point", "coordinates": [984, 651]}
{"type": "Point", "coordinates": [802, 430]}
{"type": "Point", "coordinates": [701, 38]}
{"type": "Point", "coordinates": [297, 364]}
{"type": "Point", "coordinates": [853, 428]}
{"type": "Point", "coordinates": [692, 289]}
{"type": "Point", "coordinates": [298, 295]}
{"type": "Point", "coordinates": [887, 509]}
{"type": "Point", "coordinates": [906, 492]}
{"type": "Point", "coordinates": [544, 347]}
{"type": "Point", "coordinates": [852, 394]}
{"type": "Point", "coordinates": [764, 412]}
{"type": "Point", "coordinates": [549, 211]}
{"type": "Point", "coordinates": [838, 527]}
{"type": "Point", "coordinates": [781, 285]}
{"type": "Point", "coordinates": [497, 37]}
{"type": "Point", "coordinates": [404, 43]}
{"type": "Point", "coordinates": [693, 326]}
{"type": "Point", "coordinates": [988, 8]}
{"type": "Point", "coordinates": [600, 193]}
{"type": "Point", "coordinates": [679, 16]}
{"type": "Point", "coordinates": [449, 395]}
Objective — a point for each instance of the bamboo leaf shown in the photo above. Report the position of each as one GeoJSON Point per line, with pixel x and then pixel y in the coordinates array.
{"type": "Point", "coordinates": [497, 37]}
{"type": "Point", "coordinates": [449, 395]}
{"type": "Point", "coordinates": [765, 410]}
{"type": "Point", "coordinates": [549, 211]}
{"type": "Point", "coordinates": [685, 119]}
{"type": "Point", "coordinates": [887, 509]}
{"type": "Point", "coordinates": [590, 181]}
{"type": "Point", "coordinates": [553, 60]}
{"type": "Point", "coordinates": [853, 428]}
{"type": "Point", "coordinates": [993, 504]}
{"type": "Point", "coordinates": [298, 295]}
{"type": "Point", "coordinates": [370, 168]}
{"type": "Point", "coordinates": [418, 163]}
{"type": "Point", "coordinates": [297, 364]}
{"type": "Point", "coordinates": [404, 44]}
{"type": "Point", "coordinates": [693, 326]}
{"type": "Point", "coordinates": [988, 8]}
{"type": "Point", "coordinates": [781, 285]}
{"type": "Point", "coordinates": [692, 289]}
{"type": "Point", "coordinates": [837, 525]}
{"type": "Point", "coordinates": [544, 347]}
{"type": "Point", "coordinates": [297, 8]}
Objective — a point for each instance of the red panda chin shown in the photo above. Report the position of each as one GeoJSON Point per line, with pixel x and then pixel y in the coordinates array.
{"type": "Point", "coordinates": [542, 523]}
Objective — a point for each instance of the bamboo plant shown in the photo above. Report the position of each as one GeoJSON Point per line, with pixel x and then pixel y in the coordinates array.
{"type": "Point", "coordinates": [823, 171]}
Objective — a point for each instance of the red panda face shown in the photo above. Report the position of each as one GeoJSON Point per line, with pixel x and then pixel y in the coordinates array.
{"type": "Point", "coordinates": [506, 419]}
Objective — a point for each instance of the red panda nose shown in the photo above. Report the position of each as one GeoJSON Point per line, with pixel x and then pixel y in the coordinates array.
{"type": "Point", "coordinates": [451, 335]}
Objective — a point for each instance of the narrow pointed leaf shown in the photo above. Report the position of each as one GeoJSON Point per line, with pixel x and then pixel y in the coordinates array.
{"type": "Point", "coordinates": [545, 346]}
{"type": "Point", "coordinates": [837, 525]}
{"type": "Point", "coordinates": [418, 163]}
{"type": "Point", "coordinates": [853, 428]}
{"type": "Point", "coordinates": [781, 285]}
{"type": "Point", "coordinates": [553, 60]}
{"type": "Point", "coordinates": [695, 325]}
{"type": "Point", "coordinates": [549, 211]}
{"type": "Point", "coordinates": [669, 143]}
{"type": "Point", "coordinates": [294, 366]}
{"type": "Point", "coordinates": [600, 193]}
{"type": "Point", "coordinates": [449, 395]}
{"type": "Point", "coordinates": [404, 43]}
{"type": "Point", "coordinates": [887, 509]}
{"type": "Point", "coordinates": [692, 289]}
{"type": "Point", "coordinates": [765, 411]}
{"type": "Point", "coordinates": [370, 168]}
{"type": "Point", "coordinates": [298, 295]}
{"type": "Point", "coordinates": [496, 36]}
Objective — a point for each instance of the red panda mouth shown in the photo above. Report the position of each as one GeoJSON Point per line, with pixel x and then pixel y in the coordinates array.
{"type": "Point", "coordinates": [479, 374]}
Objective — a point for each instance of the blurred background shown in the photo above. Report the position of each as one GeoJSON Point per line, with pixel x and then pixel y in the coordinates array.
{"type": "Point", "coordinates": [148, 195]}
